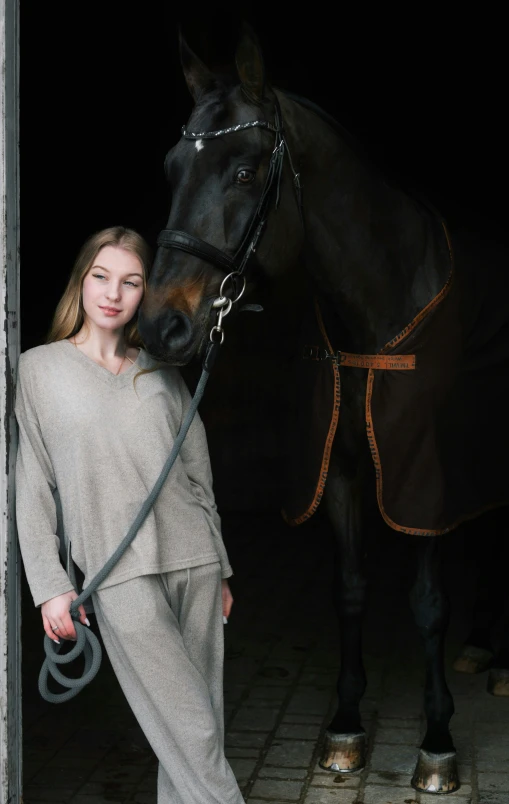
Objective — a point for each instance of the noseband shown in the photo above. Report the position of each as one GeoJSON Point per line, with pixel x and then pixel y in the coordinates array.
{"type": "Point", "coordinates": [236, 265]}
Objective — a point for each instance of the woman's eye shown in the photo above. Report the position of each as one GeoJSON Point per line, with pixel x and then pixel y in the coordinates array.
{"type": "Point", "coordinates": [98, 276]}
{"type": "Point", "coordinates": [131, 284]}
{"type": "Point", "coordinates": [245, 176]}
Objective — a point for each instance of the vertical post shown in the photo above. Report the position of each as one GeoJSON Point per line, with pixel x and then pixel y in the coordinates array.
{"type": "Point", "coordinates": [10, 608]}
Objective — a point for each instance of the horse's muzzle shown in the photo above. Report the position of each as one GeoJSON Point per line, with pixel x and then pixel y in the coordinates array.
{"type": "Point", "coordinates": [168, 337]}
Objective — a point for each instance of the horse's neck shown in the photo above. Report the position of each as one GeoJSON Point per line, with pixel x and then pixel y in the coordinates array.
{"type": "Point", "coordinates": [376, 256]}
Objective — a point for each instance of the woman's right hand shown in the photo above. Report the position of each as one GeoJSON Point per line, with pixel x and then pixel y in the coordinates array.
{"type": "Point", "coordinates": [56, 618]}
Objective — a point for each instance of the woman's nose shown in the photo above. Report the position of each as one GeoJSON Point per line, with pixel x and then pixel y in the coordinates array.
{"type": "Point", "coordinates": [113, 292]}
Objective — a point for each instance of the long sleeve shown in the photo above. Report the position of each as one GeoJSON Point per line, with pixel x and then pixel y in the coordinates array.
{"type": "Point", "coordinates": [195, 457]}
{"type": "Point", "coordinates": [35, 505]}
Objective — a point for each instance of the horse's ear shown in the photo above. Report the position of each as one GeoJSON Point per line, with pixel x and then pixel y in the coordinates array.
{"type": "Point", "coordinates": [249, 61]}
{"type": "Point", "coordinates": [198, 77]}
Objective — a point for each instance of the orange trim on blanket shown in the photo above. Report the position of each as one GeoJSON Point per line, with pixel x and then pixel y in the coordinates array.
{"type": "Point", "coordinates": [324, 468]}
{"type": "Point", "coordinates": [429, 307]}
{"type": "Point", "coordinates": [369, 419]}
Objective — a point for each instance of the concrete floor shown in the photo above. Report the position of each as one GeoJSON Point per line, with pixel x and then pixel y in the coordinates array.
{"type": "Point", "coordinates": [281, 664]}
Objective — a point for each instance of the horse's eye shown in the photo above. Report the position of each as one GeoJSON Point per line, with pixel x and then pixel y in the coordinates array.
{"type": "Point", "coordinates": [245, 176]}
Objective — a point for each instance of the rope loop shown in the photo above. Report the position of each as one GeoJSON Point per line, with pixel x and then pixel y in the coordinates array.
{"type": "Point", "coordinates": [86, 644]}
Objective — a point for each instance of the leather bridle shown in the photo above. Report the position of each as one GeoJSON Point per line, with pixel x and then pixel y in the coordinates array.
{"type": "Point", "coordinates": [235, 266]}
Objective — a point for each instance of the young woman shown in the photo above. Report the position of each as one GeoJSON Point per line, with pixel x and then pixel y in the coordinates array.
{"type": "Point", "coordinates": [97, 419]}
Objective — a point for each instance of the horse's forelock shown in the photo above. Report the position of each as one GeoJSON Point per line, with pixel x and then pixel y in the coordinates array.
{"type": "Point", "coordinates": [211, 111]}
{"type": "Point", "coordinates": [219, 109]}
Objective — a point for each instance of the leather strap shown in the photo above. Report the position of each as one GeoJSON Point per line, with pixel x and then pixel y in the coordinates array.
{"type": "Point", "coordinates": [390, 362]}
{"type": "Point", "coordinates": [386, 362]}
{"type": "Point", "coordinates": [171, 238]}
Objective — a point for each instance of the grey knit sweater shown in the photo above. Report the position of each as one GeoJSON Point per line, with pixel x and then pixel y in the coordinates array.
{"type": "Point", "coordinates": [100, 442]}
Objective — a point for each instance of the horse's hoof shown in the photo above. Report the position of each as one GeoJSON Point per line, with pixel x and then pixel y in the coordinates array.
{"type": "Point", "coordinates": [344, 753]}
{"type": "Point", "coordinates": [436, 773]}
{"type": "Point", "coordinates": [498, 682]}
{"type": "Point", "coordinates": [472, 659]}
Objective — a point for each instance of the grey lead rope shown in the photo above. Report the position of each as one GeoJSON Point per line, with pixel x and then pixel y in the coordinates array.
{"type": "Point", "coordinates": [87, 642]}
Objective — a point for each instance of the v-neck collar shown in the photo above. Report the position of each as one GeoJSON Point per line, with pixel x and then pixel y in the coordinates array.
{"type": "Point", "coordinates": [117, 380]}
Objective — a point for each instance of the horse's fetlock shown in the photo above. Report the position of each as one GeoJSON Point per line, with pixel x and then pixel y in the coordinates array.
{"type": "Point", "coordinates": [351, 610]}
{"type": "Point", "coordinates": [351, 601]}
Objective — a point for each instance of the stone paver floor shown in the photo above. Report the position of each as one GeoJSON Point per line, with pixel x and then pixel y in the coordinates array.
{"type": "Point", "coordinates": [281, 664]}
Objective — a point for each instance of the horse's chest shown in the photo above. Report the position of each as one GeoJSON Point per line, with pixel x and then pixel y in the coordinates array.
{"type": "Point", "coordinates": [350, 437]}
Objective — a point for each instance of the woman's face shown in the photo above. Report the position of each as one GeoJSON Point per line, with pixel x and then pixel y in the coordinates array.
{"type": "Point", "coordinates": [113, 288]}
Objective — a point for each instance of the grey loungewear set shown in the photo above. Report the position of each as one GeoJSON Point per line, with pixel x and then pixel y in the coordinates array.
{"type": "Point", "coordinates": [101, 441]}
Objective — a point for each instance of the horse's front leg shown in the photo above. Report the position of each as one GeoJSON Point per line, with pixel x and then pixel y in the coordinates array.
{"type": "Point", "coordinates": [345, 743]}
{"type": "Point", "coordinates": [436, 770]}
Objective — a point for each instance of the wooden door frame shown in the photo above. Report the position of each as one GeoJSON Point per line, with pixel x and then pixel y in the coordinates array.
{"type": "Point", "coordinates": [10, 574]}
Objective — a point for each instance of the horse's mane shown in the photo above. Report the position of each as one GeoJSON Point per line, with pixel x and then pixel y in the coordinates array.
{"type": "Point", "coordinates": [353, 143]}
{"type": "Point", "coordinates": [345, 135]}
{"type": "Point", "coordinates": [225, 82]}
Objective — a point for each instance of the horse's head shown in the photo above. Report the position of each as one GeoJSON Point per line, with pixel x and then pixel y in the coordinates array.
{"type": "Point", "coordinates": [227, 174]}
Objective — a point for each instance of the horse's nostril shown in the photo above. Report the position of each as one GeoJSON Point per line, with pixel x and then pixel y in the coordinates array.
{"type": "Point", "coordinates": [175, 329]}
{"type": "Point", "coordinates": [169, 327]}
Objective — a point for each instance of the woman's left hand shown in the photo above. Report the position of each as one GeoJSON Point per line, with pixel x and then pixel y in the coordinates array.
{"type": "Point", "coordinates": [227, 598]}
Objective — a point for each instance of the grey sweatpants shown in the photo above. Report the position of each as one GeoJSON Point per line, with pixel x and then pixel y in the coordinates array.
{"type": "Point", "coordinates": [164, 638]}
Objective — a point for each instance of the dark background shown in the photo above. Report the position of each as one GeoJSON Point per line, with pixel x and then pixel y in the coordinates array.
{"type": "Point", "coordinates": [103, 99]}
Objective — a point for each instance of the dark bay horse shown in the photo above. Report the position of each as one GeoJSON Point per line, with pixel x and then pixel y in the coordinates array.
{"type": "Point", "coordinates": [265, 184]}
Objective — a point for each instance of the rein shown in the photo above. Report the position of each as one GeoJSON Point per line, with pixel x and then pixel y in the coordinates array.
{"type": "Point", "coordinates": [87, 642]}
{"type": "Point", "coordinates": [236, 265]}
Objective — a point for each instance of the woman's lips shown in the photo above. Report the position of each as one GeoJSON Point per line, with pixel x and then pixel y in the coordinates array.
{"type": "Point", "coordinates": [111, 311]}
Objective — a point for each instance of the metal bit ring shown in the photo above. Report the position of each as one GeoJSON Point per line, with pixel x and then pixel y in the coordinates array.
{"type": "Point", "coordinates": [229, 276]}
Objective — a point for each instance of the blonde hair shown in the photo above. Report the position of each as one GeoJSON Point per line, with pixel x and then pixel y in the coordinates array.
{"type": "Point", "coordinates": [70, 316]}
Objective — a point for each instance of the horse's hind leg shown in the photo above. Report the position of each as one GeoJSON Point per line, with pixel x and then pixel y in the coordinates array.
{"type": "Point", "coordinates": [476, 653]}
{"type": "Point", "coordinates": [490, 615]}
{"type": "Point", "coordinates": [345, 744]}
{"type": "Point", "coordinates": [498, 678]}
{"type": "Point", "coordinates": [436, 770]}
{"type": "Point", "coordinates": [485, 536]}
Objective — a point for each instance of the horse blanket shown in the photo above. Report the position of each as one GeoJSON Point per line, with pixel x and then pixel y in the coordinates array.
{"type": "Point", "coordinates": [436, 402]}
